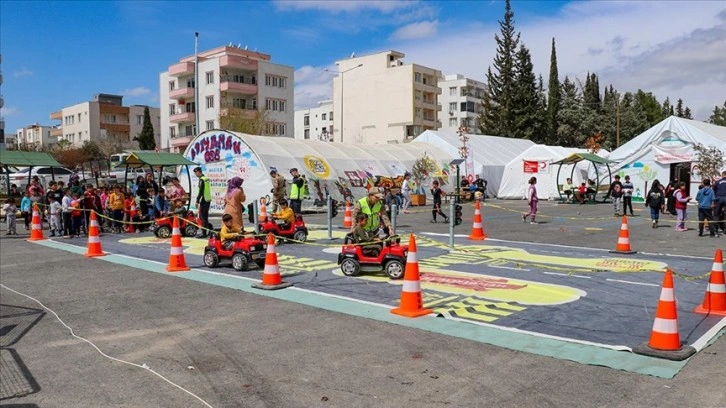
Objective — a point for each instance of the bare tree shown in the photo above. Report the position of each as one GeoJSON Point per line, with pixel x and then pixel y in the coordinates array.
{"type": "Point", "coordinates": [241, 120]}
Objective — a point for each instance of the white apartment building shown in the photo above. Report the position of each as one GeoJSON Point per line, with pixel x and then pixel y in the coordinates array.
{"type": "Point", "coordinates": [104, 119]}
{"type": "Point", "coordinates": [315, 123]}
{"type": "Point", "coordinates": [380, 99]}
{"type": "Point", "coordinates": [461, 102]}
{"type": "Point", "coordinates": [229, 77]}
{"type": "Point", "coordinates": [34, 137]}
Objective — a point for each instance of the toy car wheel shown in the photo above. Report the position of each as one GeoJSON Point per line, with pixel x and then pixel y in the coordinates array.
{"type": "Point", "coordinates": [239, 262]}
{"type": "Point", "coordinates": [190, 230]}
{"type": "Point", "coordinates": [211, 259]}
{"type": "Point", "coordinates": [301, 236]}
{"type": "Point", "coordinates": [163, 232]}
{"type": "Point", "coordinates": [260, 263]}
{"type": "Point", "coordinates": [350, 267]}
{"type": "Point", "coordinates": [395, 269]}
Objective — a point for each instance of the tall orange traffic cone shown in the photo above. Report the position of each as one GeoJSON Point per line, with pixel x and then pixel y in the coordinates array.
{"type": "Point", "coordinates": [623, 246]}
{"type": "Point", "coordinates": [271, 278]}
{"type": "Point", "coordinates": [665, 340]}
{"type": "Point", "coordinates": [132, 213]}
{"type": "Point", "coordinates": [94, 241]}
{"type": "Point", "coordinates": [348, 218]}
{"type": "Point", "coordinates": [263, 210]}
{"type": "Point", "coordinates": [411, 300]}
{"type": "Point", "coordinates": [177, 263]}
{"type": "Point", "coordinates": [715, 300]}
{"type": "Point", "coordinates": [477, 230]}
{"type": "Point", "coordinates": [36, 228]}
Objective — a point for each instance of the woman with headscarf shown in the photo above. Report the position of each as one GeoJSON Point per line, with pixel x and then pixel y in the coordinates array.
{"type": "Point", "coordinates": [234, 201]}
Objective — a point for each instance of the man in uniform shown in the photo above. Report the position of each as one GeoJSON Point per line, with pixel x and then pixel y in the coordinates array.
{"type": "Point", "coordinates": [204, 199]}
{"type": "Point", "coordinates": [296, 191]}
{"type": "Point", "coordinates": [279, 189]}
{"type": "Point", "coordinates": [372, 206]}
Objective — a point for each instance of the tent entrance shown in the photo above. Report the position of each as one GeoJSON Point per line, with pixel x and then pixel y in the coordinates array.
{"type": "Point", "coordinates": [682, 172]}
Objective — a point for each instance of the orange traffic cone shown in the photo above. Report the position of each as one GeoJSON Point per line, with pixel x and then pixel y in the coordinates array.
{"type": "Point", "coordinates": [623, 246]}
{"type": "Point", "coordinates": [477, 230]}
{"type": "Point", "coordinates": [94, 241]}
{"type": "Point", "coordinates": [411, 300]}
{"type": "Point", "coordinates": [665, 340]}
{"type": "Point", "coordinates": [715, 300]}
{"type": "Point", "coordinates": [348, 218]}
{"type": "Point", "coordinates": [36, 228]}
{"type": "Point", "coordinates": [177, 263]}
{"type": "Point", "coordinates": [271, 278]}
{"type": "Point", "coordinates": [263, 210]}
{"type": "Point", "coordinates": [132, 214]}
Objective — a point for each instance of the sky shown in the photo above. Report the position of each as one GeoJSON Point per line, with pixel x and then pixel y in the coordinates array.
{"type": "Point", "coordinates": [60, 53]}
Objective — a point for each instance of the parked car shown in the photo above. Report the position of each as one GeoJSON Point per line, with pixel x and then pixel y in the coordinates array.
{"type": "Point", "coordinates": [21, 178]}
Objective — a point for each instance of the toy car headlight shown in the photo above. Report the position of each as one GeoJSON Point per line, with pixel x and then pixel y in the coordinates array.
{"type": "Point", "coordinates": [264, 246]}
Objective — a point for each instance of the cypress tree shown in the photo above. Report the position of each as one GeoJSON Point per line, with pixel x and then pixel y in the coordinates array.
{"type": "Point", "coordinates": [553, 98]}
{"type": "Point", "coordinates": [146, 137]}
{"type": "Point", "coordinates": [679, 108]}
{"type": "Point", "coordinates": [525, 96]}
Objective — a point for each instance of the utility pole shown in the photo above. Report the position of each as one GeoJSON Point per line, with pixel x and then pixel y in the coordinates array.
{"type": "Point", "coordinates": [617, 125]}
{"type": "Point", "coordinates": [196, 83]}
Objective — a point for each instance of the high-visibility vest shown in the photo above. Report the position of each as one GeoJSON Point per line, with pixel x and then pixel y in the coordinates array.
{"type": "Point", "coordinates": [207, 191]}
{"type": "Point", "coordinates": [372, 213]}
{"type": "Point", "coordinates": [295, 192]}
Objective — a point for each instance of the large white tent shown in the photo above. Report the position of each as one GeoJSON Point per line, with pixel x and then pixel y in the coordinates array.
{"type": "Point", "coordinates": [491, 153]}
{"type": "Point", "coordinates": [665, 151]}
{"type": "Point", "coordinates": [536, 161]}
{"type": "Point", "coordinates": [331, 168]}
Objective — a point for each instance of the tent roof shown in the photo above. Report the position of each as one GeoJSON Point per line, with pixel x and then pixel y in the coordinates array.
{"type": "Point", "coordinates": [27, 159]}
{"type": "Point", "coordinates": [578, 157]}
{"type": "Point", "coordinates": [141, 158]}
{"type": "Point", "coordinates": [489, 150]}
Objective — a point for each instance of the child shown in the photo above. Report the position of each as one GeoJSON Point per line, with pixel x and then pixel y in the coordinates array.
{"type": "Point", "coordinates": [532, 200]}
{"type": "Point", "coordinates": [116, 204]}
{"type": "Point", "coordinates": [161, 207]}
{"type": "Point", "coordinates": [706, 203]}
{"type": "Point", "coordinates": [682, 200]}
{"type": "Point", "coordinates": [10, 215]}
{"type": "Point", "coordinates": [627, 196]}
{"type": "Point", "coordinates": [360, 235]}
{"type": "Point", "coordinates": [150, 205]}
{"type": "Point", "coordinates": [285, 215]}
{"type": "Point", "coordinates": [229, 232]}
{"type": "Point", "coordinates": [26, 209]}
{"type": "Point", "coordinates": [55, 209]}
{"type": "Point", "coordinates": [67, 219]}
{"type": "Point", "coordinates": [436, 192]}
{"type": "Point", "coordinates": [656, 202]}
{"type": "Point", "coordinates": [76, 215]}
{"type": "Point", "coordinates": [581, 193]}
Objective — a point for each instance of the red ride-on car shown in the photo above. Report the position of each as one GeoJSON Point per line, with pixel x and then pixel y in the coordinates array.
{"type": "Point", "coordinates": [243, 251]}
{"type": "Point", "coordinates": [356, 258]}
{"type": "Point", "coordinates": [162, 227]}
{"type": "Point", "coordinates": [297, 230]}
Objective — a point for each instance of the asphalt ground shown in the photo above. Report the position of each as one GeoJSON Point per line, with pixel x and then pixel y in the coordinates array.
{"type": "Point", "coordinates": [255, 351]}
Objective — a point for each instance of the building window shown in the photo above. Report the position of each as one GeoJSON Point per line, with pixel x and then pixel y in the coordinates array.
{"type": "Point", "coordinates": [275, 81]}
{"type": "Point", "coordinates": [239, 103]}
{"type": "Point", "coordinates": [467, 106]}
{"type": "Point", "coordinates": [79, 118]}
{"type": "Point", "coordinates": [139, 119]}
{"type": "Point", "coordinates": [188, 130]}
{"type": "Point", "coordinates": [452, 122]}
{"type": "Point", "coordinates": [172, 131]}
{"type": "Point", "coordinates": [306, 134]}
{"type": "Point", "coordinates": [275, 105]}
{"type": "Point", "coordinates": [452, 107]}
{"type": "Point", "coordinates": [306, 120]}
{"type": "Point", "coordinates": [210, 102]}
{"type": "Point", "coordinates": [172, 109]}
{"type": "Point", "coordinates": [190, 83]}
{"type": "Point", "coordinates": [172, 85]}
{"type": "Point", "coordinates": [281, 130]}
{"type": "Point", "coordinates": [210, 77]}
{"type": "Point", "coordinates": [330, 116]}
{"type": "Point", "coordinates": [191, 107]}
{"type": "Point", "coordinates": [418, 113]}
{"type": "Point", "coordinates": [282, 106]}
{"type": "Point", "coordinates": [210, 124]}
{"type": "Point", "coordinates": [452, 90]}
{"type": "Point", "coordinates": [254, 104]}
{"type": "Point", "coordinates": [417, 95]}
{"type": "Point", "coordinates": [417, 77]}
{"type": "Point", "coordinates": [324, 116]}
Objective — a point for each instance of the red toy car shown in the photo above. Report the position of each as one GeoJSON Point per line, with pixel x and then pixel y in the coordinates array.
{"type": "Point", "coordinates": [162, 227]}
{"type": "Point", "coordinates": [391, 258]}
{"type": "Point", "coordinates": [297, 230]}
{"type": "Point", "coordinates": [244, 251]}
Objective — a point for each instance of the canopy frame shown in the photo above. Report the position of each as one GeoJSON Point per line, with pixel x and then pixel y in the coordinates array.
{"type": "Point", "coordinates": [578, 157]}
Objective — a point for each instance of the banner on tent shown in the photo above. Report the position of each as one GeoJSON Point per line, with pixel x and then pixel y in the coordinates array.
{"type": "Point", "coordinates": [673, 154]}
{"type": "Point", "coordinates": [535, 166]}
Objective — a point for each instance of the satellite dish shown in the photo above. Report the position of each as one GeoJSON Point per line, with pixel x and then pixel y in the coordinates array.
{"type": "Point", "coordinates": [352, 55]}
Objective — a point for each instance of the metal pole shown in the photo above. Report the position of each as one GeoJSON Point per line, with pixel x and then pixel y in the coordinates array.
{"type": "Point", "coordinates": [458, 185]}
{"type": "Point", "coordinates": [196, 83]}
{"type": "Point", "coordinates": [342, 101]}
{"type": "Point", "coordinates": [394, 217]}
{"type": "Point", "coordinates": [330, 217]}
{"type": "Point", "coordinates": [451, 223]}
{"type": "Point", "coordinates": [256, 216]}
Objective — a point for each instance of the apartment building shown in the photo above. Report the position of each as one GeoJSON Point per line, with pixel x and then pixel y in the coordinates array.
{"type": "Point", "coordinates": [461, 102]}
{"type": "Point", "coordinates": [380, 99]}
{"type": "Point", "coordinates": [34, 137]}
{"type": "Point", "coordinates": [104, 119]}
{"type": "Point", "coordinates": [315, 123]}
{"type": "Point", "coordinates": [229, 78]}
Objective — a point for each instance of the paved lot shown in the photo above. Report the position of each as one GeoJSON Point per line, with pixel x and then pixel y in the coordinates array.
{"type": "Point", "coordinates": [250, 350]}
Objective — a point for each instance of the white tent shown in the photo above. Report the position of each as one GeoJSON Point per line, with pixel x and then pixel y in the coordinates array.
{"type": "Point", "coordinates": [537, 162]}
{"type": "Point", "coordinates": [331, 168]}
{"type": "Point", "coordinates": [665, 151]}
{"type": "Point", "coordinates": [491, 153]}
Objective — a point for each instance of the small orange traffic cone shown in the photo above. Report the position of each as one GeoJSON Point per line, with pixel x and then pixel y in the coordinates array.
{"type": "Point", "coordinates": [177, 263]}
{"type": "Point", "coordinates": [271, 279]}
{"type": "Point", "coordinates": [36, 228]}
{"type": "Point", "coordinates": [715, 300]}
{"type": "Point", "coordinates": [132, 213]}
{"type": "Point", "coordinates": [411, 300]}
{"type": "Point", "coordinates": [477, 230]}
{"type": "Point", "coordinates": [263, 210]}
{"type": "Point", "coordinates": [665, 340]}
{"type": "Point", "coordinates": [623, 246]}
{"type": "Point", "coordinates": [94, 241]}
{"type": "Point", "coordinates": [348, 218]}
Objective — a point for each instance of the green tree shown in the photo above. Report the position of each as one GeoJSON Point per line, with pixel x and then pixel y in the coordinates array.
{"type": "Point", "coordinates": [667, 108]}
{"type": "Point", "coordinates": [553, 98]}
{"type": "Point", "coordinates": [718, 116]}
{"type": "Point", "coordinates": [687, 113]}
{"type": "Point", "coordinates": [146, 137]}
{"type": "Point", "coordinates": [609, 118]}
{"type": "Point", "coordinates": [251, 122]}
{"type": "Point", "coordinates": [570, 116]}
{"type": "Point", "coordinates": [498, 104]}
{"type": "Point", "coordinates": [649, 106]}
{"type": "Point", "coordinates": [679, 108]}
{"type": "Point", "coordinates": [541, 132]}
{"type": "Point", "coordinates": [633, 120]}
{"type": "Point", "coordinates": [525, 102]}
{"type": "Point", "coordinates": [591, 93]}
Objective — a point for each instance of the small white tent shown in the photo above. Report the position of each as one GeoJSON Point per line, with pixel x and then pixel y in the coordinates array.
{"type": "Point", "coordinates": [537, 162]}
{"type": "Point", "coordinates": [665, 152]}
{"type": "Point", "coordinates": [491, 153]}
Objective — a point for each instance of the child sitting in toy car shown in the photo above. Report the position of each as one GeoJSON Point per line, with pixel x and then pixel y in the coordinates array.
{"type": "Point", "coordinates": [229, 232]}
{"type": "Point", "coordinates": [285, 217]}
{"type": "Point", "coordinates": [360, 235]}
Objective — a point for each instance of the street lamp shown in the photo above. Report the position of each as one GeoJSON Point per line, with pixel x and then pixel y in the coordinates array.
{"type": "Point", "coordinates": [342, 99]}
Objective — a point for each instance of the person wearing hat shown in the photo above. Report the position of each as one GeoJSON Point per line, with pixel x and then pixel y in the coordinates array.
{"type": "Point", "coordinates": [373, 207]}
{"type": "Point", "coordinates": [296, 191]}
{"type": "Point", "coordinates": [204, 199]}
{"type": "Point", "coordinates": [616, 193]}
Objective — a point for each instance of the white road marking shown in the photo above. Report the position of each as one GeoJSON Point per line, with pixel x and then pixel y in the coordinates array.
{"type": "Point", "coordinates": [568, 275]}
{"type": "Point", "coordinates": [633, 283]}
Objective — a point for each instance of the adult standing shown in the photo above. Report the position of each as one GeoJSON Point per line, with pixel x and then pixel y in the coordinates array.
{"type": "Point", "coordinates": [234, 201]}
{"type": "Point", "coordinates": [406, 192]}
{"type": "Point", "coordinates": [142, 190]}
{"type": "Point", "coordinates": [279, 189]}
{"type": "Point", "coordinates": [204, 200]}
{"type": "Point", "coordinates": [296, 191]}
{"type": "Point", "coordinates": [374, 209]}
{"type": "Point", "coordinates": [670, 200]}
{"type": "Point", "coordinates": [719, 190]}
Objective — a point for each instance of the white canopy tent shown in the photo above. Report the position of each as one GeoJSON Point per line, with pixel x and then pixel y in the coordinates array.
{"type": "Point", "coordinates": [491, 153]}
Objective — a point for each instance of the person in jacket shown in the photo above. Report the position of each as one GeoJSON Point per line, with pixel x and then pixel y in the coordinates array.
{"type": "Point", "coordinates": [655, 201]}
{"type": "Point", "coordinates": [719, 191]}
{"type": "Point", "coordinates": [682, 198]}
{"type": "Point", "coordinates": [204, 200]}
{"type": "Point", "coordinates": [279, 189]}
{"type": "Point", "coordinates": [616, 193]}
{"type": "Point", "coordinates": [706, 203]}
{"type": "Point", "coordinates": [628, 196]}
{"type": "Point", "coordinates": [373, 207]}
{"type": "Point", "coordinates": [296, 191]}
{"type": "Point", "coordinates": [532, 200]}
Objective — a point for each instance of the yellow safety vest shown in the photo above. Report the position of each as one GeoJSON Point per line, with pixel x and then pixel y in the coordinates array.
{"type": "Point", "coordinates": [372, 213]}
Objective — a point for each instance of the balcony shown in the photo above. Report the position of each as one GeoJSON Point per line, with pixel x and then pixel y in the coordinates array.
{"type": "Point", "coordinates": [236, 87]}
{"type": "Point", "coordinates": [2, 101]}
{"type": "Point", "coordinates": [237, 62]}
{"type": "Point", "coordinates": [57, 115]}
{"type": "Point", "coordinates": [182, 117]}
{"type": "Point", "coordinates": [182, 93]}
{"type": "Point", "coordinates": [181, 69]}
{"type": "Point", "coordinates": [180, 141]}
{"type": "Point", "coordinates": [115, 127]}
{"type": "Point", "coordinates": [58, 132]}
